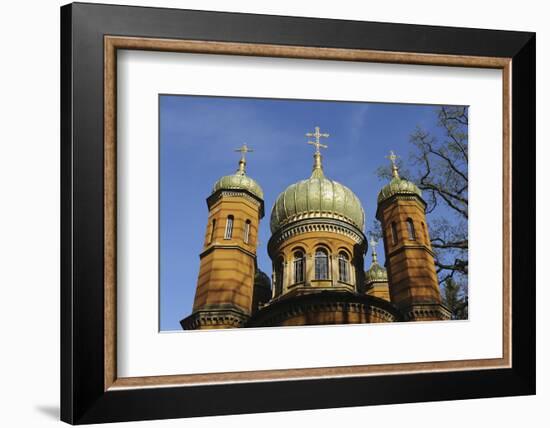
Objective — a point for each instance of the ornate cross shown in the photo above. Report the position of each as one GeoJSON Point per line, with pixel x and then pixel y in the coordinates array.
{"type": "Point", "coordinates": [242, 163]}
{"type": "Point", "coordinates": [244, 150]}
{"type": "Point", "coordinates": [317, 134]}
{"type": "Point", "coordinates": [373, 244]}
{"type": "Point", "coordinates": [393, 157]}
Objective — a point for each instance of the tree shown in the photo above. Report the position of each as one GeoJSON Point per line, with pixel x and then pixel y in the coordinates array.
{"type": "Point", "coordinates": [455, 299]}
{"type": "Point", "coordinates": [438, 165]}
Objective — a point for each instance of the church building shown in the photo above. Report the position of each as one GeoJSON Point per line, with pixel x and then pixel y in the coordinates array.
{"type": "Point", "coordinates": [317, 248]}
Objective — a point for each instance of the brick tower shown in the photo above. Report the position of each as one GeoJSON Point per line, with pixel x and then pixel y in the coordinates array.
{"type": "Point", "coordinates": [225, 286]}
{"type": "Point", "coordinates": [413, 283]}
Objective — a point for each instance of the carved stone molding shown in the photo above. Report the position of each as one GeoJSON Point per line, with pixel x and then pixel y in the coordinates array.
{"type": "Point", "coordinates": [317, 225]}
{"type": "Point", "coordinates": [428, 311]}
{"type": "Point", "coordinates": [215, 318]}
{"type": "Point", "coordinates": [276, 313]}
{"type": "Point", "coordinates": [214, 197]}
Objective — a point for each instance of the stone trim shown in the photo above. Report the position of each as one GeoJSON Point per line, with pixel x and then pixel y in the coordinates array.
{"type": "Point", "coordinates": [315, 214]}
{"type": "Point", "coordinates": [323, 302]}
{"type": "Point", "coordinates": [400, 197]}
{"type": "Point", "coordinates": [296, 310]}
{"type": "Point", "coordinates": [214, 197]}
{"type": "Point", "coordinates": [316, 225]}
{"type": "Point", "coordinates": [226, 247]}
{"type": "Point", "coordinates": [209, 317]}
{"type": "Point", "coordinates": [403, 247]}
{"type": "Point", "coordinates": [372, 282]}
{"type": "Point", "coordinates": [433, 310]}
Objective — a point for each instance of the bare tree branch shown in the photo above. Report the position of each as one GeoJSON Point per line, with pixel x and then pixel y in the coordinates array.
{"type": "Point", "coordinates": [439, 165]}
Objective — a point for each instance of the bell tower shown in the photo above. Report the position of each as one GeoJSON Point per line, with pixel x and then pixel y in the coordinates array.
{"type": "Point", "coordinates": [413, 283]}
{"type": "Point", "coordinates": [225, 285]}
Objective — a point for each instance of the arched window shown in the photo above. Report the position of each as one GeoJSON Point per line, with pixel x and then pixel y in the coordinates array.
{"type": "Point", "coordinates": [212, 230]}
{"type": "Point", "coordinates": [229, 227]}
{"type": "Point", "coordinates": [343, 267]}
{"type": "Point", "coordinates": [410, 229]}
{"type": "Point", "coordinates": [321, 264]}
{"type": "Point", "coordinates": [298, 267]}
{"type": "Point", "coordinates": [279, 276]}
{"type": "Point", "coordinates": [393, 233]}
{"type": "Point", "coordinates": [246, 231]}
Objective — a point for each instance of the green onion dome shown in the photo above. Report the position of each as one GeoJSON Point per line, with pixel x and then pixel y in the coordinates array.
{"type": "Point", "coordinates": [262, 280]}
{"type": "Point", "coordinates": [239, 180]}
{"type": "Point", "coordinates": [317, 197]}
{"type": "Point", "coordinates": [376, 273]}
{"type": "Point", "coordinates": [398, 186]}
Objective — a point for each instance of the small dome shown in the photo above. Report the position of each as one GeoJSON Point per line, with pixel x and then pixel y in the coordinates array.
{"type": "Point", "coordinates": [239, 181]}
{"type": "Point", "coordinates": [398, 186]}
{"type": "Point", "coordinates": [376, 273]}
{"type": "Point", "coordinates": [262, 280]}
{"type": "Point", "coordinates": [317, 197]}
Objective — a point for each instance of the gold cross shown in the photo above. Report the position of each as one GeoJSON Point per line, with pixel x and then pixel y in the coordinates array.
{"type": "Point", "coordinates": [373, 244]}
{"type": "Point", "coordinates": [317, 134]}
{"type": "Point", "coordinates": [393, 157]}
{"type": "Point", "coordinates": [244, 150]}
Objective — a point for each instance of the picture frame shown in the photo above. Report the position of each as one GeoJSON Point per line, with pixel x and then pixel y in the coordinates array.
{"type": "Point", "coordinates": [91, 391]}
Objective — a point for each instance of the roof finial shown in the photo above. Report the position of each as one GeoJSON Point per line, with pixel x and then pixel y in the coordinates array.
{"type": "Point", "coordinates": [242, 162]}
{"type": "Point", "coordinates": [394, 169]}
{"type": "Point", "coordinates": [373, 244]}
{"type": "Point", "coordinates": [317, 165]}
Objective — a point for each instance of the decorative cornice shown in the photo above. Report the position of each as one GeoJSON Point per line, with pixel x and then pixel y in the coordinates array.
{"type": "Point", "coordinates": [275, 313]}
{"type": "Point", "coordinates": [316, 225]}
{"type": "Point", "coordinates": [427, 310]}
{"type": "Point", "coordinates": [306, 288]}
{"type": "Point", "coordinates": [314, 215]}
{"type": "Point", "coordinates": [213, 247]}
{"type": "Point", "coordinates": [403, 247]}
{"type": "Point", "coordinates": [210, 316]}
{"type": "Point", "coordinates": [296, 310]}
{"type": "Point", "coordinates": [371, 282]}
{"type": "Point", "coordinates": [236, 193]}
{"type": "Point", "coordinates": [400, 197]}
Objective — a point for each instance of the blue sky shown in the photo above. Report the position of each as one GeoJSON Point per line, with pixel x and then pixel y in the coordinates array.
{"type": "Point", "coordinates": [198, 136]}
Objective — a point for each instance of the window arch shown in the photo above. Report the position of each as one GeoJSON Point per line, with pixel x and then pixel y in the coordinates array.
{"type": "Point", "coordinates": [321, 264]}
{"type": "Point", "coordinates": [279, 275]}
{"type": "Point", "coordinates": [212, 231]}
{"type": "Point", "coordinates": [343, 267]}
{"type": "Point", "coordinates": [299, 266]}
{"type": "Point", "coordinates": [393, 233]}
{"type": "Point", "coordinates": [246, 231]}
{"type": "Point", "coordinates": [229, 227]}
{"type": "Point", "coordinates": [410, 230]}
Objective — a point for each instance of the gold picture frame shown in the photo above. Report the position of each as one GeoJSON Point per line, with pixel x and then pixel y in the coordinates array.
{"type": "Point", "coordinates": [114, 43]}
